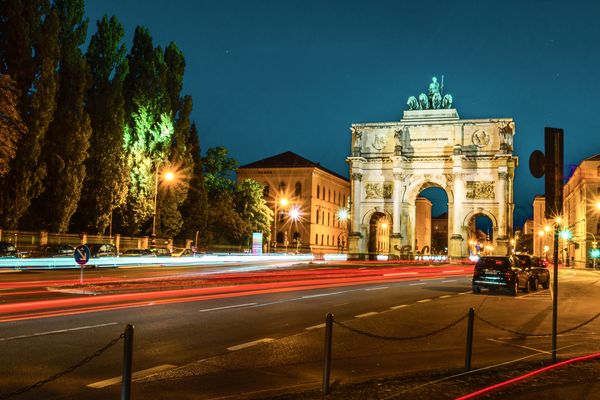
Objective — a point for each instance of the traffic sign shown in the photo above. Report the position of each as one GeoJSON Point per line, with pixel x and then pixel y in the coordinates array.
{"type": "Point", "coordinates": [82, 254]}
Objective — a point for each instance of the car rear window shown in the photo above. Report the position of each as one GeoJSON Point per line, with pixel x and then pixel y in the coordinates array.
{"type": "Point", "coordinates": [497, 263]}
{"type": "Point", "coordinates": [525, 261]}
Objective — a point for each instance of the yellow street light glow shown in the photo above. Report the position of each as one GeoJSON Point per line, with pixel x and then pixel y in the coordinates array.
{"type": "Point", "coordinates": [598, 205]}
{"type": "Point", "coordinates": [283, 202]}
{"type": "Point", "coordinates": [342, 214]}
{"type": "Point", "coordinates": [547, 228]}
{"type": "Point", "coordinates": [558, 220]}
{"type": "Point", "coordinates": [295, 213]}
{"type": "Point", "coordinates": [169, 176]}
{"type": "Point", "coordinates": [384, 225]}
{"type": "Point", "coordinates": [541, 233]}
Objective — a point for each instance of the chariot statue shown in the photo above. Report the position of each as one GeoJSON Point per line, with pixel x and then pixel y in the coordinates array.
{"type": "Point", "coordinates": [434, 99]}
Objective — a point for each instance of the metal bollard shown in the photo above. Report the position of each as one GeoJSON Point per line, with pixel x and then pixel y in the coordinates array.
{"type": "Point", "coordinates": [328, 344]}
{"type": "Point", "coordinates": [469, 339]}
{"type": "Point", "coordinates": [127, 359]}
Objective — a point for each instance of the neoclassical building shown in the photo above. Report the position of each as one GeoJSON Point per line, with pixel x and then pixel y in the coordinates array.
{"type": "Point", "coordinates": [392, 162]}
{"type": "Point", "coordinates": [306, 199]}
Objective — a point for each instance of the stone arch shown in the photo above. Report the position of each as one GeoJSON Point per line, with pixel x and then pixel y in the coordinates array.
{"type": "Point", "coordinates": [481, 211]}
{"type": "Point", "coordinates": [418, 185]}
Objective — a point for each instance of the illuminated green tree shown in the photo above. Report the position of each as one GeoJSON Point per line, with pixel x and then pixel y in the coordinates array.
{"type": "Point", "coordinates": [29, 53]}
{"type": "Point", "coordinates": [106, 183]}
{"type": "Point", "coordinates": [253, 209]}
{"type": "Point", "coordinates": [67, 140]}
{"type": "Point", "coordinates": [148, 129]}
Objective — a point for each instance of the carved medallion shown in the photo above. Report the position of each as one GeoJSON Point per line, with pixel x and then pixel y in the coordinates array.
{"type": "Point", "coordinates": [481, 138]}
{"type": "Point", "coordinates": [480, 190]}
{"type": "Point", "coordinates": [378, 142]}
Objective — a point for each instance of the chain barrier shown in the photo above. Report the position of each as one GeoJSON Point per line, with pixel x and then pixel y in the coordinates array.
{"type": "Point", "coordinates": [66, 371]}
{"type": "Point", "coordinates": [372, 335]}
{"type": "Point", "coordinates": [536, 334]}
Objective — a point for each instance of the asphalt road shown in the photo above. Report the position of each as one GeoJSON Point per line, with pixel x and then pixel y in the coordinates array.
{"type": "Point", "coordinates": [260, 343]}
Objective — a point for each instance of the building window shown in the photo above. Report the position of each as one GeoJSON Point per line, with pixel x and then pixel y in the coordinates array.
{"type": "Point", "coordinates": [298, 189]}
{"type": "Point", "coordinates": [329, 196]}
{"type": "Point", "coordinates": [344, 201]}
{"type": "Point", "coordinates": [323, 217]}
{"type": "Point", "coordinates": [316, 238]}
{"type": "Point", "coordinates": [323, 193]}
{"type": "Point", "coordinates": [266, 191]}
{"type": "Point", "coordinates": [327, 240]}
{"type": "Point", "coordinates": [598, 171]}
{"type": "Point", "coordinates": [328, 219]}
{"type": "Point", "coordinates": [282, 186]}
{"type": "Point", "coordinates": [318, 191]}
{"type": "Point", "coordinates": [317, 216]}
{"type": "Point", "coordinates": [322, 237]}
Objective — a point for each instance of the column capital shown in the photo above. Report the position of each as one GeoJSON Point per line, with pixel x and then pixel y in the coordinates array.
{"type": "Point", "coordinates": [502, 175]}
{"type": "Point", "coordinates": [356, 176]}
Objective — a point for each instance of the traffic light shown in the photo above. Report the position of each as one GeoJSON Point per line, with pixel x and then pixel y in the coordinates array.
{"type": "Point", "coordinates": [553, 169]}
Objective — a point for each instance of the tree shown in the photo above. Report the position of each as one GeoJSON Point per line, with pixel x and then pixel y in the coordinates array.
{"type": "Point", "coordinates": [29, 53]}
{"type": "Point", "coordinates": [253, 209]}
{"type": "Point", "coordinates": [12, 127]}
{"type": "Point", "coordinates": [196, 204]}
{"type": "Point", "coordinates": [148, 129]}
{"type": "Point", "coordinates": [106, 183]}
{"type": "Point", "coordinates": [67, 141]}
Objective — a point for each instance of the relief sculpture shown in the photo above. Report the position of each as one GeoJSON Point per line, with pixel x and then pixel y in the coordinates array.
{"type": "Point", "coordinates": [378, 190]}
{"type": "Point", "coordinates": [480, 190]}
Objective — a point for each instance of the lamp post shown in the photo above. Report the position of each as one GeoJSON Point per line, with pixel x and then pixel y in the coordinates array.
{"type": "Point", "coordinates": [541, 234]}
{"type": "Point", "coordinates": [168, 176]}
{"type": "Point", "coordinates": [283, 202]}
{"type": "Point", "coordinates": [343, 215]}
{"type": "Point", "coordinates": [594, 249]}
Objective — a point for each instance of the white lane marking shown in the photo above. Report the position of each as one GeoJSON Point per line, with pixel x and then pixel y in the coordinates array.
{"type": "Point", "coordinates": [310, 328]}
{"type": "Point", "coordinates": [228, 307]}
{"type": "Point", "coordinates": [377, 288]}
{"type": "Point", "coordinates": [250, 344]}
{"type": "Point", "coordinates": [366, 314]}
{"type": "Point", "coordinates": [136, 375]}
{"type": "Point", "coordinates": [423, 301]}
{"type": "Point", "coordinates": [448, 281]}
{"type": "Point", "coordinates": [453, 270]}
{"type": "Point", "coordinates": [397, 307]}
{"type": "Point", "coordinates": [57, 331]}
{"type": "Point", "coordinates": [415, 284]}
{"type": "Point", "coordinates": [465, 292]}
{"type": "Point", "coordinates": [445, 296]}
{"type": "Point", "coordinates": [402, 273]}
{"type": "Point", "coordinates": [310, 296]}
{"type": "Point", "coordinates": [518, 345]}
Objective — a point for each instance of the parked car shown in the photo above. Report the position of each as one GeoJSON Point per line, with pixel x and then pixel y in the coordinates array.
{"type": "Point", "coordinates": [103, 250]}
{"type": "Point", "coordinates": [161, 252]}
{"type": "Point", "coordinates": [183, 253]}
{"type": "Point", "coordinates": [139, 253]}
{"type": "Point", "coordinates": [8, 250]}
{"type": "Point", "coordinates": [56, 250]}
{"type": "Point", "coordinates": [500, 272]}
{"type": "Point", "coordinates": [539, 274]}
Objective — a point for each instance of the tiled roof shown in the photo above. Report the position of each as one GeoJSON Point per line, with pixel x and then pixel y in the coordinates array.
{"type": "Point", "coordinates": [288, 160]}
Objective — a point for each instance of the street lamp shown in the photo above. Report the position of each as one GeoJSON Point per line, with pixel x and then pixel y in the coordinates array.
{"type": "Point", "coordinates": [283, 202]}
{"type": "Point", "coordinates": [343, 215]}
{"type": "Point", "coordinates": [168, 176]}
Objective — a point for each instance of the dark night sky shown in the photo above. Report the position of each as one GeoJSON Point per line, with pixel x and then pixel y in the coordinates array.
{"type": "Point", "coordinates": [275, 75]}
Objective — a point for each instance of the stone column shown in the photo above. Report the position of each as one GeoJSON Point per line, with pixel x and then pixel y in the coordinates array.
{"type": "Point", "coordinates": [502, 204]}
{"type": "Point", "coordinates": [456, 240]}
{"type": "Point", "coordinates": [355, 236]}
{"type": "Point", "coordinates": [396, 237]}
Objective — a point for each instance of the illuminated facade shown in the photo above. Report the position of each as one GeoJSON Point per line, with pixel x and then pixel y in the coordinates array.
{"type": "Point", "coordinates": [542, 230]}
{"type": "Point", "coordinates": [306, 199]}
{"type": "Point", "coordinates": [581, 213]}
{"type": "Point", "coordinates": [392, 162]}
{"type": "Point", "coordinates": [423, 228]}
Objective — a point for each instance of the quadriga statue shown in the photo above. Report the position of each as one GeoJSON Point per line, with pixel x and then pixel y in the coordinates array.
{"type": "Point", "coordinates": [423, 102]}
{"type": "Point", "coordinates": [412, 103]}
{"type": "Point", "coordinates": [436, 100]}
{"type": "Point", "coordinates": [447, 101]}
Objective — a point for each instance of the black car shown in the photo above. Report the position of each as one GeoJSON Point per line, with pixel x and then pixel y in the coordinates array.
{"type": "Point", "coordinates": [537, 269]}
{"type": "Point", "coordinates": [8, 250]}
{"type": "Point", "coordinates": [103, 250]}
{"type": "Point", "coordinates": [500, 272]}
{"type": "Point", "coordinates": [56, 250]}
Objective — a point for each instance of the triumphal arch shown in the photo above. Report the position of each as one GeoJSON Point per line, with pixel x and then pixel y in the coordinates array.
{"type": "Point", "coordinates": [392, 162]}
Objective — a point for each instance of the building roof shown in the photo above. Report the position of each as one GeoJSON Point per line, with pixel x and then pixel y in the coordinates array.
{"type": "Point", "coordinates": [593, 158]}
{"type": "Point", "coordinates": [289, 160]}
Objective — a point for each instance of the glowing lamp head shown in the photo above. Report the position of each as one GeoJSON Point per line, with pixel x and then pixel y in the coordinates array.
{"type": "Point", "coordinates": [565, 234]}
{"type": "Point", "coordinates": [547, 228]}
{"type": "Point", "coordinates": [283, 202]}
{"type": "Point", "coordinates": [169, 176]}
{"type": "Point", "coordinates": [541, 233]}
{"type": "Point", "coordinates": [384, 225]}
{"type": "Point", "coordinates": [295, 213]}
{"type": "Point", "coordinates": [342, 214]}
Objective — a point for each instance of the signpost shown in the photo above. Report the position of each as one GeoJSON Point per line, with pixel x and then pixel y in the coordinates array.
{"type": "Point", "coordinates": [82, 255]}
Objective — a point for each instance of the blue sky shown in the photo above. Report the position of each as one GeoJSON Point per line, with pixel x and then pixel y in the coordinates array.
{"type": "Point", "coordinates": [271, 76]}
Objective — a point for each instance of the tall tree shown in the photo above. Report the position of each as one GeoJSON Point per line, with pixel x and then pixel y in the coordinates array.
{"type": "Point", "coordinates": [106, 182]}
{"type": "Point", "coordinates": [253, 209]}
{"type": "Point", "coordinates": [195, 206]}
{"type": "Point", "coordinates": [67, 140]}
{"type": "Point", "coordinates": [148, 129]}
{"type": "Point", "coordinates": [170, 218]}
{"type": "Point", "coordinates": [29, 53]}
{"type": "Point", "coordinates": [12, 127]}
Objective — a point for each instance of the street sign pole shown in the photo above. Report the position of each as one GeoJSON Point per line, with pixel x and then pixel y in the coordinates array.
{"type": "Point", "coordinates": [82, 255]}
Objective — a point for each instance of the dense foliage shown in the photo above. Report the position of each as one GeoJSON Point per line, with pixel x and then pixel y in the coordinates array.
{"type": "Point", "coordinates": [101, 140]}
